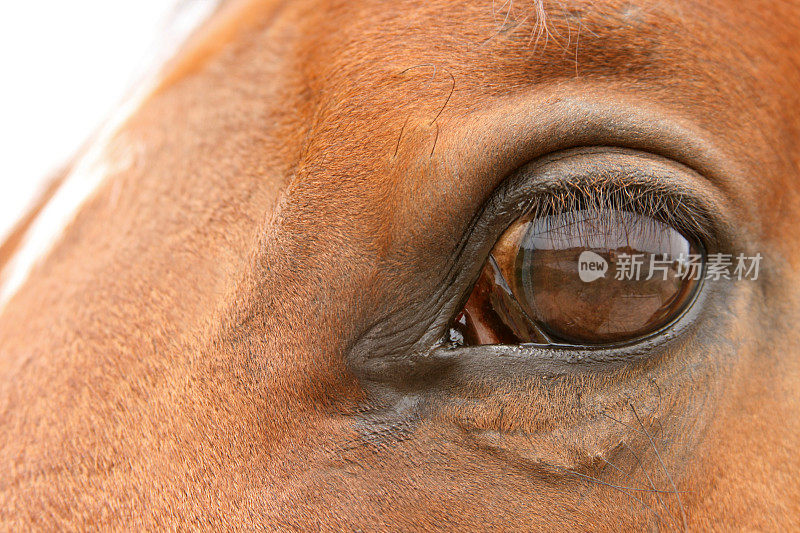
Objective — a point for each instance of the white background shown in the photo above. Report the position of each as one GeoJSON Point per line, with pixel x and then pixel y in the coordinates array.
{"type": "Point", "coordinates": [64, 65]}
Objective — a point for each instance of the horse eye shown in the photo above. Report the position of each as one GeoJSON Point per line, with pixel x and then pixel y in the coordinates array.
{"type": "Point", "coordinates": [585, 277]}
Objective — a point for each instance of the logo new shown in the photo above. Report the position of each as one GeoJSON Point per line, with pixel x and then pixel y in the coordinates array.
{"type": "Point", "coordinates": [591, 266]}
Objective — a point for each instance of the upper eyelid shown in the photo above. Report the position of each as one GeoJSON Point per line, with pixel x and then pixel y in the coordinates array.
{"type": "Point", "coordinates": [666, 190]}
{"type": "Point", "coordinates": [553, 120]}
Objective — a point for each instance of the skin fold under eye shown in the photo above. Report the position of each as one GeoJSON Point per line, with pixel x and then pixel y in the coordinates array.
{"type": "Point", "coordinates": [585, 277]}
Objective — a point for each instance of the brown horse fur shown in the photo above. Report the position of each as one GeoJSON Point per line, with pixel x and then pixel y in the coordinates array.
{"type": "Point", "coordinates": [205, 346]}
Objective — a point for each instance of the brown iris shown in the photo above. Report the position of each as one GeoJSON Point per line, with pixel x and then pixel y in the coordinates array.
{"type": "Point", "coordinates": [582, 277]}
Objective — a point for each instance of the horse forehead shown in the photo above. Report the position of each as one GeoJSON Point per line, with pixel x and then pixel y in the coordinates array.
{"type": "Point", "coordinates": [655, 30]}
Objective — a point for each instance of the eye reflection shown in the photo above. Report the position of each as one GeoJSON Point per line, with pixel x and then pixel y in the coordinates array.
{"type": "Point", "coordinates": [581, 277]}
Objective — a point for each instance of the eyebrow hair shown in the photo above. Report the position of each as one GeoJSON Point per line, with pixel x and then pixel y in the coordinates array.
{"type": "Point", "coordinates": [664, 201]}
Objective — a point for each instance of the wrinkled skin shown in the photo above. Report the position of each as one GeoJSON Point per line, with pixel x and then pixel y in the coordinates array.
{"type": "Point", "coordinates": [239, 329]}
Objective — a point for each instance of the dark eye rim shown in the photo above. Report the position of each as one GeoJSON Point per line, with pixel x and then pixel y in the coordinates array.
{"type": "Point", "coordinates": [374, 359]}
{"type": "Point", "coordinates": [706, 234]}
{"type": "Point", "coordinates": [565, 356]}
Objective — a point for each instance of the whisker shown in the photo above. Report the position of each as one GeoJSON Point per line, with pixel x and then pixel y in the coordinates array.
{"type": "Point", "coordinates": [633, 489]}
{"type": "Point", "coordinates": [618, 469]}
{"type": "Point", "coordinates": [669, 477]}
{"type": "Point", "coordinates": [618, 488]}
{"type": "Point", "coordinates": [644, 470]}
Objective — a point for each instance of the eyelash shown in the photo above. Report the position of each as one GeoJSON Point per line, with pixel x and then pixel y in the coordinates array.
{"type": "Point", "coordinates": [604, 197]}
